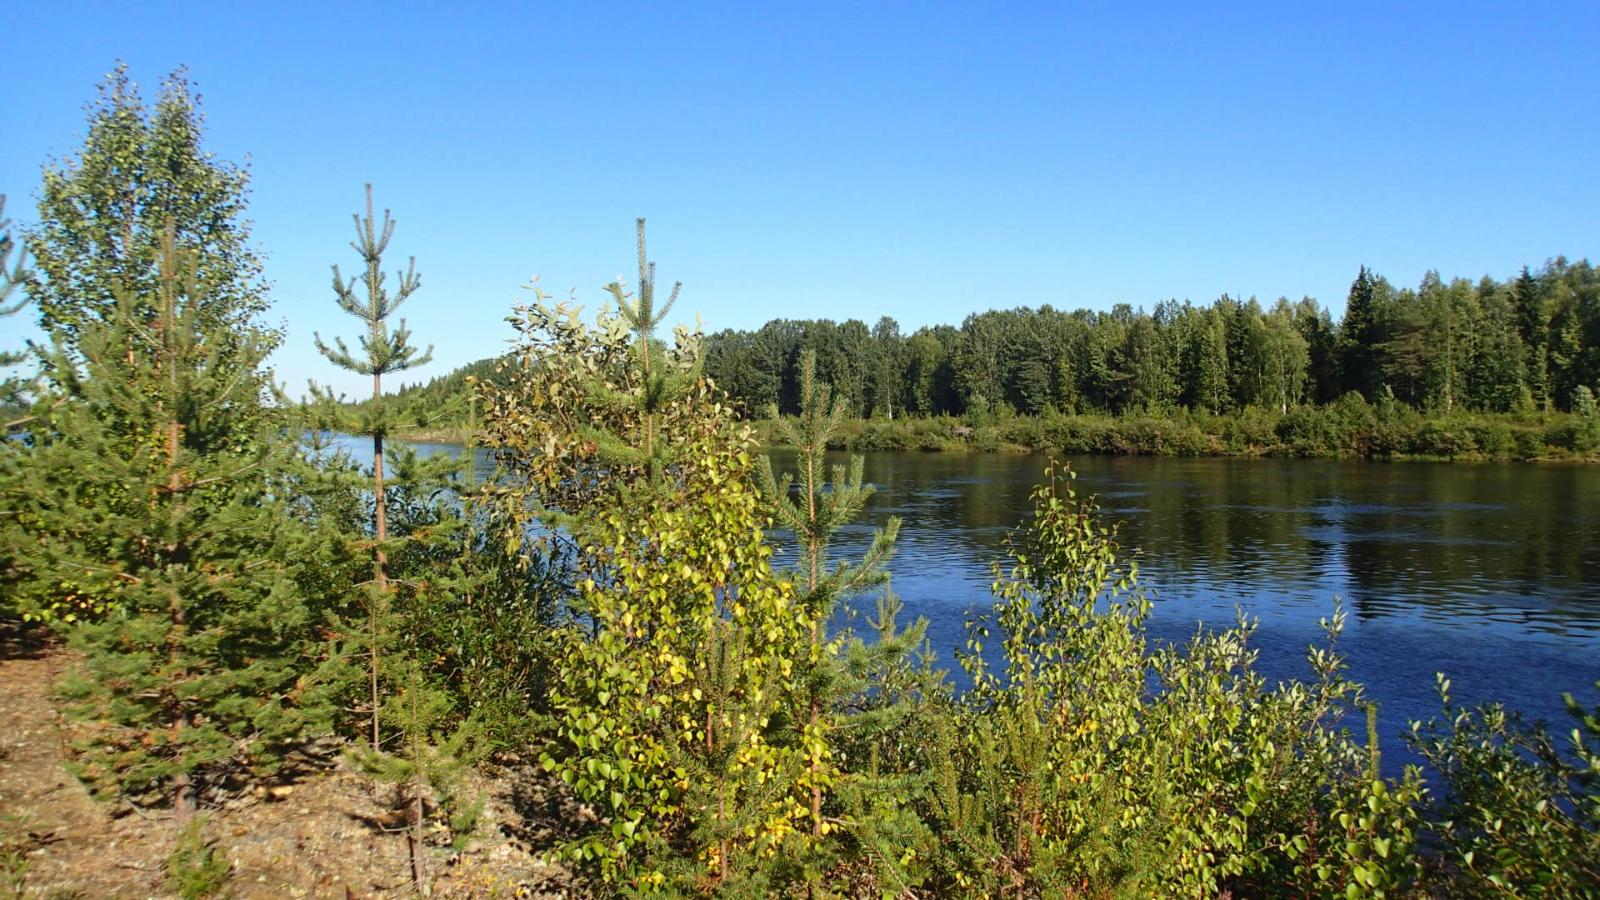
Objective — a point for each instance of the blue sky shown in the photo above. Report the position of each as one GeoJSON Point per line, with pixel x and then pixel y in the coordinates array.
{"type": "Point", "coordinates": [855, 160]}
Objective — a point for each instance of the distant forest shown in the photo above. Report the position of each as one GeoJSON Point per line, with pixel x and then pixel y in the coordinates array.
{"type": "Point", "coordinates": [1524, 345]}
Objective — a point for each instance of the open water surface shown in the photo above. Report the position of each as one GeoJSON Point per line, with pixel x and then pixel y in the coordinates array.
{"type": "Point", "coordinates": [1489, 573]}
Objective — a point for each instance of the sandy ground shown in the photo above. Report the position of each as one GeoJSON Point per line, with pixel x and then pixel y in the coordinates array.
{"type": "Point", "coordinates": [324, 834]}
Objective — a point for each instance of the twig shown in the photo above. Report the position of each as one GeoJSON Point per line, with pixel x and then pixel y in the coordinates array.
{"type": "Point", "coordinates": [142, 814]}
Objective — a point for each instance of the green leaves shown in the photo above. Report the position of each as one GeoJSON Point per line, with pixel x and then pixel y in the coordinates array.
{"type": "Point", "coordinates": [669, 695]}
{"type": "Point", "coordinates": [104, 210]}
{"type": "Point", "coordinates": [1517, 812]}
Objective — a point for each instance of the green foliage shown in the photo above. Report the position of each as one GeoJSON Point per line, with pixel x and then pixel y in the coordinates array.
{"type": "Point", "coordinates": [382, 351]}
{"type": "Point", "coordinates": [822, 507]}
{"type": "Point", "coordinates": [152, 495]}
{"type": "Point", "coordinates": [675, 700]}
{"type": "Point", "coordinates": [889, 703]}
{"type": "Point", "coordinates": [103, 215]}
{"type": "Point", "coordinates": [152, 519]}
{"type": "Point", "coordinates": [1586, 436]}
{"type": "Point", "coordinates": [437, 409]}
{"type": "Point", "coordinates": [195, 870]}
{"type": "Point", "coordinates": [468, 607]}
{"type": "Point", "coordinates": [1085, 761]}
{"type": "Point", "coordinates": [1519, 814]}
{"type": "Point", "coordinates": [855, 698]}
{"type": "Point", "coordinates": [431, 748]}
{"type": "Point", "coordinates": [609, 595]}
{"type": "Point", "coordinates": [654, 382]}
{"type": "Point", "coordinates": [13, 274]}
{"type": "Point", "coordinates": [16, 843]}
{"type": "Point", "coordinates": [1444, 348]}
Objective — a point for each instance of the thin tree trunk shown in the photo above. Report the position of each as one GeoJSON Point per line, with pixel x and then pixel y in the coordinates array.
{"type": "Point", "coordinates": [182, 784]}
{"type": "Point", "coordinates": [815, 554]}
{"type": "Point", "coordinates": [419, 875]}
{"type": "Point", "coordinates": [380, 564]}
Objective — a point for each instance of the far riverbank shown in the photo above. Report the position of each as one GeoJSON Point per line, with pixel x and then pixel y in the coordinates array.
{"type": "Point", "coordinates": [1348, 429]}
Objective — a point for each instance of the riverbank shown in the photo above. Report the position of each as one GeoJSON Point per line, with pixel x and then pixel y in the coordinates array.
{"type": "Point", "coordinates": [1345, 430]}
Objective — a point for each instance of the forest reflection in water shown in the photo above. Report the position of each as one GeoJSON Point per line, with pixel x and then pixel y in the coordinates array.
{"type": "Point", "coordinates": [1486, 572]}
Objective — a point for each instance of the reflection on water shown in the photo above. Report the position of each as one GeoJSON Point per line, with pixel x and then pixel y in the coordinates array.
{"type": "Point", "coordinates": [1489, 573]}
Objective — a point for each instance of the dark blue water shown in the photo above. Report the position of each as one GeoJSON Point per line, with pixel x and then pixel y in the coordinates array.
{"type": "Point", "coordinates": [1487, 573]}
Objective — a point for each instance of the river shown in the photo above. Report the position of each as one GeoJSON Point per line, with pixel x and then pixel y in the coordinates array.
{"type": "Point", "coordinates": [1489, 573]}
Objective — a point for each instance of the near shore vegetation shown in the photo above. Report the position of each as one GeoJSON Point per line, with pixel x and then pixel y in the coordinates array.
{"type": "Point", "coordinates": [606, 606]}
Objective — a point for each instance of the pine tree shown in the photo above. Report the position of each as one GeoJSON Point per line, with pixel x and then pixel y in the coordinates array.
{"type": "Point", "coordinates": [655, 383]}
{"type": "Point", "coordinates": [436, 748]}
{"type": "Point", "coordinates": [12, 275]}
{"type": "Point", "coordinates": [382, 352]}
{"type": "Point", "coordinates": [819, 511]}
{"type": "Point", "coordinates": [1533, 326]}
{"type": "Point", "coordinates": [155, 487]}
{"type": "Point", "coordinates": [465, 628]}
{"type": "Point", "coordinates": [1360, 335]}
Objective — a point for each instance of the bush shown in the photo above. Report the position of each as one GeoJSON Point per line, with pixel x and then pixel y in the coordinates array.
{"type": "Point", "coordinates": [1446, 438]}
{"type": "Point", "coordinates": [1024, 432]}
{"type": "Point", "coordinates": [1084, 761]}
{"type": "Point", "coordinates": [195, 870]}
{"type": "Point", "coordinates": [885, 436]}
{"type": "Point", "coordinates": [1519, 814]}
{"type": "Point", "coordinates": [1081, 435]}
{"type": "Point", "coordinates": [1255, 430]}
{"type": "Point", "coordinates": [1530, 443]}
{"type": "Point", "coordinates": [1159, 437]}
{"type": "Point", "coordinates": [1493, 439]}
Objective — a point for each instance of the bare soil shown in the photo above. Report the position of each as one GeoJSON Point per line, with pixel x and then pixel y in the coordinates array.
{"type": "Point", "coordinates": [328, 832]}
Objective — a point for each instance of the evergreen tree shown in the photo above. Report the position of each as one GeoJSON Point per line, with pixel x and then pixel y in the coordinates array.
{"type": "Point", "coordinates": [1566, 352]}
{"type": "Point", "coordinates": [659, 384]}
{"type": "Point", "coordinates": [465, 645]}
{"type": "Point", "coordinates": [1533, 326]}
{"type": "Point", "coordinates": [1498, 381]}
{"type": "Point", "coordinates": [382, 352]}
{"type": "Point", "coordinates": [1143, 360]}
{"type": "Point", "coordinates": [436, 748]}
{"type": "Point", "coordinates": [1322, 367]}
{"type": "Point", "coordinates": [860, 695]}
{"type": "Point", "coordinates": [156, 490]}
{"type": "Point", "coordinates": [821, 509]}
{"type": "Point", "coordinates": [12, 274]}
{"type": "Point", "coordinates": [1208, 367]}
{"type": "Point", "coordinates": [1359, 336]}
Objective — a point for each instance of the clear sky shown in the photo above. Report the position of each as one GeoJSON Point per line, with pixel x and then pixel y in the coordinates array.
{"type": "Point", "coordinates": [855, 160]}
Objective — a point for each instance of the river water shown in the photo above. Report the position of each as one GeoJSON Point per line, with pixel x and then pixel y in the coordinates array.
{"type": "Point", "coordinates": [1488, 573]}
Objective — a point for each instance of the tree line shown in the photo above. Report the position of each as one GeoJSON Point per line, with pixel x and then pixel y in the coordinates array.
{"type": "Point", "coordinates": [1524, 345]}
{"type": "Point", "coordinates": [240, 597]}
